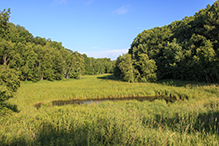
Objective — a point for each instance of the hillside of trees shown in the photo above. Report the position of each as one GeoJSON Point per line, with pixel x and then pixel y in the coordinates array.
{"type": "Point", "coordinates": [36, 58]}
{"type": "Point", "coordinates": [184, 50]}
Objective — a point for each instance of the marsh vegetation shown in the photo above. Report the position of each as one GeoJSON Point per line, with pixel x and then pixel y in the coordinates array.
{"type": "Point", "coordinates": [187, 121]}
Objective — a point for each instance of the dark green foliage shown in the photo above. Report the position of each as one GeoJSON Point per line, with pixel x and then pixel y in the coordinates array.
{"type": "Point", "coordinates": [147, 68]}
{"type": "Point", "coordinates": [97, 66]}
{"type": "Point", "coordinates": [36, 58]}
{"type": "Point", "coordinates": [141, 70]}
{"type": "Point", "coordinates": [4, 18]}
{"type": "Point", "coordinates": [124, 69]}
{"type": "Point", "coordinates": [185, 50]}
{"type": "Point", "coordinates": [9, 78]}
{"type": "Point", "coordinates": [9, 84]}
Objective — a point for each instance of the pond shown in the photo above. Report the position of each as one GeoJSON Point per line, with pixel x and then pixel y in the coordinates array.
{"type": "Point", "coordinates": [88, 101]}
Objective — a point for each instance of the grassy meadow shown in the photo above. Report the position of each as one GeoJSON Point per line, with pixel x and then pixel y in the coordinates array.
{"type": "Point", "coordinates": [191, 120]}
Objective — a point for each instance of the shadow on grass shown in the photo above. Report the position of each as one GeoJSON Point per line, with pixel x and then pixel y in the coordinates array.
{"type": "Point", "coordinates": [208, 87]}
{"type": "Point", "coordinates": [49, 135]}
{"type": "Point", "coordinates": [176, 83]}
{"type": "Point", "coordinates": [97, 133]}
{"type": "Point", "coordinates": [6, 108]}
{"type": "Point", "coordinates": [179, 83]}
{"type": "Point", "coordinates": [203, 123]}
{"type": "Point", "coordinates": [107, 77]}
{"type": "Point", "coordinates": [168, 82]}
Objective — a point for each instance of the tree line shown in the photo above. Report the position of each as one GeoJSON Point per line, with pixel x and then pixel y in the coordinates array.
{"type": "Point", "coordinates": [184, 50]}
{"type": "Point", "coordinates": [24, 57]}
{"type": "Point", "coordinates": [98, 66]}
{"type": "Point", "coordinates": [37, 58]}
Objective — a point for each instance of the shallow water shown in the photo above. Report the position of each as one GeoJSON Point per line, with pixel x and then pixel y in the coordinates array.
{"type": "Point", "coordinates": [88, 101]}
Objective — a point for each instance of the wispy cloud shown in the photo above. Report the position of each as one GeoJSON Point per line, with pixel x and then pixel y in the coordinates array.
{"type": "Point", "coordinates": [113, 54]}
{"type": "Point", "coordinates": [60, 1]}
{"type": "Point", "coordinates": [122, 10]}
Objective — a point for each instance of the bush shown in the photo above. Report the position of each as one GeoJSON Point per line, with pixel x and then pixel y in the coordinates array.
{"type": "Point", "coordinates": [9, 84]}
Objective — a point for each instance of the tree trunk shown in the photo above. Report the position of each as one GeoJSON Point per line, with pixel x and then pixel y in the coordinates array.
{"type": "Point", "coordinates": [5, 59]}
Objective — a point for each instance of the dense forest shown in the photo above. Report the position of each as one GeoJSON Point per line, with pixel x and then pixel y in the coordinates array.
{"type": "Point", "coordinates": [183, 50]}
{"type": "Point", "coordinates": [36, 58]}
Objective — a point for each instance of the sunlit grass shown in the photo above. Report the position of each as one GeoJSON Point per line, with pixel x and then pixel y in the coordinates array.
{"type": "Point", "coordinates": [184, 122]}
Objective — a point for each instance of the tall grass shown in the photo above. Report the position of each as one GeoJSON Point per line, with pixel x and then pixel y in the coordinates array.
{"type": "Point", "coordinates": [184, 122]}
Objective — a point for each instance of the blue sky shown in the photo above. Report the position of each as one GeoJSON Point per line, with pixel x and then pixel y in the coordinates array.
{"type": "Point", "coordinates": [98, 28]}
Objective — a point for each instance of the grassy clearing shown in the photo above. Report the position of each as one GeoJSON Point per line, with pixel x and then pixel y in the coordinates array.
{"type": "Point", "coordinates": [188, 122]}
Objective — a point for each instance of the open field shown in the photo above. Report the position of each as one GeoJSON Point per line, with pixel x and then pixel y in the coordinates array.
{"type": "Point", "coordinates": [192, 120]}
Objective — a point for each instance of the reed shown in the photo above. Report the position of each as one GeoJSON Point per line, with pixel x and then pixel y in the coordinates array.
{"type": "Point", "coordinates": [193, 120]}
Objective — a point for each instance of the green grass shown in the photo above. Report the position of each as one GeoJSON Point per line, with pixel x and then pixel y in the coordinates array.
{"type": "Point", "coordinates": [184, 122]}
